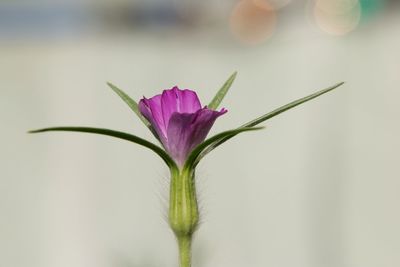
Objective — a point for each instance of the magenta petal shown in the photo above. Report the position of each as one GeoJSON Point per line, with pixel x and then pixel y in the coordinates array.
{"type": "Point", "coordinates": [185, 131]}
{"type": "Point", "coordinates": [151, 110]}
{"type": "Point", "coordinates": [178, 120]}
{"type": "Point", "coordinates": [181, 101]}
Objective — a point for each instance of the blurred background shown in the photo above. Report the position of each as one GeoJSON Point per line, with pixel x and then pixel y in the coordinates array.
{"type": "Point", "coordinates": [319, 187]}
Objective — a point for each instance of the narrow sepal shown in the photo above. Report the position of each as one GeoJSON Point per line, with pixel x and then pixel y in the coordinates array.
{"type": "Point", "coordinates": [269, 116]}
{"type": "Point", "coordinates": [192, 159]}
{"type": "Point", "coordinates": [130, 102]}
{"type": "Point", "coordinates": [121, 135]}
{"type": "Point", "coordinates": [222, 92]}
{"type": "Point", "coordinates": [291, 105]}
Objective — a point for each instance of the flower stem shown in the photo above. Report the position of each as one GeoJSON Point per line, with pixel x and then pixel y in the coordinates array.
{"type": "Point", "coordinates": [183, 212]}
{"type": "Point", "coordinates": [185, 252]}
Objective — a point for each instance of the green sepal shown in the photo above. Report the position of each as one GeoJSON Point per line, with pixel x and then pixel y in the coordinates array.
{"type": "Point", "coordinates": [183, 214]}
{"type": "Point", "coordinates": [121, 135]}
{"type": "Point", "coordinates": [193, 159]}
{"type": "Point", "coordinates": [130, 102]}
{"type": "Point", "coordinates": [219, 96]}
{"type": "Point", "coordinates": [183, 210]}
{"type": "Point", "coordinates": [270, 115]}
{"type": "Point", "coordinates": [291, 105]}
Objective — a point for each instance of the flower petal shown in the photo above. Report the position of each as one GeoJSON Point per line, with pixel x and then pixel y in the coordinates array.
{"type": "Point", "coordinates": [186, 130]}
{"type": "Point", "coordinates": [181, 101]}
{"type": "Point", "coordinates": [151, 110]}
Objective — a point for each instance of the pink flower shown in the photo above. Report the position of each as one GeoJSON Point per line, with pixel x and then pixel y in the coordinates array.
{"type": "Point", "coordinates": [178, 120]}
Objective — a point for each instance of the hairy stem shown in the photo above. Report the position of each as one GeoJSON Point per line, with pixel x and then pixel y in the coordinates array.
{"type": "Point", "coordinates": [183, 212]}
{"type": "Point", "coordinates": [185, 253]}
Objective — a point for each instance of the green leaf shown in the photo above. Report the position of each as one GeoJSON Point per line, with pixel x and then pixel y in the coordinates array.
{"type": "Point", "coordinates": [270, 115]}
{"type": "Point", "coordinates": [192, 159]}
{"type": "Point", "coordinates": [130, 102]}
{"type": "Point", "coordinates": [290, 106]}
{"type": "Point", "coordinates": [121, 135]}
{"type": "Point", "coordinates": [222, 92]}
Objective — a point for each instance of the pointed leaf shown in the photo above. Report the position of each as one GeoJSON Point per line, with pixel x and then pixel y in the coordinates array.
{"type": "Point", "coordinates": [270, 115]}
{"type": "Point", "coordinates": [222, 92]}
{"type": "Point", "coordinates": [121, 135]}
{"type": "Point", "coordinates": [192, 159]}
{"type": "Point", "coordinates": [290, 106]}
{"type": "Point", "coordinates": [130, 102]}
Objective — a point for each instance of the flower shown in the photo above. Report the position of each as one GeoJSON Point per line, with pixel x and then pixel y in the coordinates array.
{"type": "Point", "coordinates": [179, 121]}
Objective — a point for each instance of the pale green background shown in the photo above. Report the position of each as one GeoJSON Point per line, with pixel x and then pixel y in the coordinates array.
{"type": "Point", "coordinates": [319, 187]}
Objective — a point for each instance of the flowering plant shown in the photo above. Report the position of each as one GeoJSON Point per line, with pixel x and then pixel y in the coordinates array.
{"type": "Point", "coordinates": [180, 124]}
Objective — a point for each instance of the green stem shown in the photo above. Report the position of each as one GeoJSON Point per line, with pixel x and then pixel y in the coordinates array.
{"type": "Point", "coordinates": [185, 252]}
{"type": "Point", "coordinates": [183, 212]}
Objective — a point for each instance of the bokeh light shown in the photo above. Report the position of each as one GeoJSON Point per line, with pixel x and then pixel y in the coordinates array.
{"type": "Point", "coordinates": [370, 8]}
{"type": "Point", "coordinates": [336, 6]}
{"type": "Point", "coordinates": [253, 21]}
{"type": "Point", "coordinates": [277, 4]}
{"type": "Point", "coordinates": [337, 17]}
